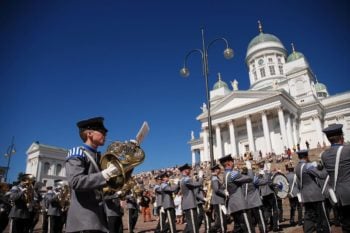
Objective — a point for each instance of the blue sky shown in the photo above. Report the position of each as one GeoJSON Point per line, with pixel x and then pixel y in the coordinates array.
{"type": "Point", "coordinates": [63, 61]}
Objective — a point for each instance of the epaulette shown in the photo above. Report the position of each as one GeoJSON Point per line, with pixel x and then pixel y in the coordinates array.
{"type": "Point", "coordinates": [163, 185]}
{"type": "Point", "coordinates": [186, 179]}
{"type": "Point", "coordinates": [76, 152]}
{"type": "Point", "coordinates": [214, 178]}
{"type": "Point", "coordinates": [309, 166]}
{"type": "Point", "coordinates": [14, 189]}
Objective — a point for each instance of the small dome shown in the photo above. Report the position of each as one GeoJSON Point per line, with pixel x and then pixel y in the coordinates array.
{"type": "Point", "coordinates": [263, 37]}
{"type": "Point", "coordinates": [220, 83]}
{"type": "Point", "coordinates": [319, 87]}
{"type": "Point", "coordinates": [294, 55]}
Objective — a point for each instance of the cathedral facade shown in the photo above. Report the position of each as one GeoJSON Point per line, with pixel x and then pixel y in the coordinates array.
{"type": "Point", "coordinates": [285, 107]}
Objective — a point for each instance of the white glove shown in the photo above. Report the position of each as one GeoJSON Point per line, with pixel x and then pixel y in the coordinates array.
{"type": "Point", "coordinates": [133, 141]}
{"type": "Point", "coordinates": [248, 164]}
{"type": "Point", "coordinates": [110, 172]}
{"type": "Point", "coordinates": [23, 189]}
{"type": "Point", "coordinates": [200, 174]}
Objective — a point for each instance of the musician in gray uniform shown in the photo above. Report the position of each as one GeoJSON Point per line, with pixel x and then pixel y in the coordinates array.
{"type": "Point", "coordinates": [292, 196]}
{"type": "Point", "coordinates": [114, 211]}
{"type": "Point", "coordinates": [218, 201]}
{"type": "Point", "coordinates": [21, 197]}
{"type": "Point", "coordinates": [335, 136]}
{"type": "Point", "coordinates": [86, 180]}
{"type": "Point", "coordinates": [308, 173]}
{"type": "Point", "coordinates": [133, 211]}
{"type": "Point", "coordinates": [168, 201]}
{"type": "Point", "coordinates": [270, 205]}
{"type": "Point", "coordinates": [54, 211]}
{"type": "Point", "coordinates": [252, 196]}
{"type": "Point", "coordinates": [158, 194]}
{"type": "Point", "coordinates": [237, 204]}
{"type": "Point", "coordinates": [189, 203]}
{"type": "Point", "coordinates": [199, 192]}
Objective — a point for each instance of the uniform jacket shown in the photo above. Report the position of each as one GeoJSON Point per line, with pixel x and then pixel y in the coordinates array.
{"type": "Point", "coordinates": [86, 211]}
{"type": "Point", "coordinates": [234, 181]}
{"type": "Point", "coordinates": [54, 208]}
{"type": "Point", "coordinates": [343, 181]}
{"type": "Point", "coordinates": [167, 195]}
{"type": "Point", "coordinates": [218, 194]}
{"type": "Point", "coordinates": [187, 186]}
{"type": "Point", "coordinates": [19, 208]}
{"type": "Point", "coordinates": [131, 202]}
{"type": "Point", "coordinates": [251, 191]}
{"type": "Point", "coordinates": [309, 187]}
{"type": "Point", "coordinates": [290, 177]}
{"type": "Point", "coordinates": [113, 207]}
{"type": "Point", "coordinates": [265, 185]}
{"type": "Point", "coordinates": [158, 194]}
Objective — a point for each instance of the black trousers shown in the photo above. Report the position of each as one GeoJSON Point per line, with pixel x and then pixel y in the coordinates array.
{"type": "Point", "coordinates": [295, 205]}
{"type": "Point", "coordinates": [220, 220]}
{"type": "Point", "coordinates": [170, 216]}
{"type": "Point", "coordinates": [115, 224]}
{"type": "Point", "coordinates": [344, 216]}
{"type": "Point", "coordinates": [242, 222]}
{"type": "Point", "coordinates": [271, 210]}
{"type": "Point", "coordinates": [20, 225]}
{"type": "Point", "coordinates": [55, 224]}
{"type": "Point", "coordinates": [257, 217]}
{"type": "Point", "coordinates": [191, 221]}
{"type": "Point", "coordinates": [45, 222]}
{"type": "Point", "coordinates": [133, 216]}
{"type": "Point", "coordinates": [315, 217]}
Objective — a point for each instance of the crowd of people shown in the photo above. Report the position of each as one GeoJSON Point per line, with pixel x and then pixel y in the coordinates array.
{"type": "Point", "coordinates": [211, 197]}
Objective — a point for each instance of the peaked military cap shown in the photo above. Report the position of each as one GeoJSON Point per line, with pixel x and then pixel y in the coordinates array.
{"type": "Point", "coordinates": [95, 123]}
{"type": "Point", "coordinates": [333, 129]}
{"type": "Point", "coordinates": [216, 166]}
{"type": "Point", "coordinates": [164, 174]}
{"type": "Point", "coordinates": [225, 158]}
{"type": "Point", "coordinates": [302, 153]}
{"type": "Point", "coordinates": [184, 167]}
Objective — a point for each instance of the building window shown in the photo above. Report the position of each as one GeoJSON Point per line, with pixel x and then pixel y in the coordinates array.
{"type": "Point", "coordinates": [272, 70]}
{"type": "Point", "coordinates": [279, 59]}
{"type": "Point", "coordinates": [280, 68]}
{"type": "Point", "coordinates": [270, 59]}
{"type": "Point", "coordinates": [255, 76]}
{"type": "Point", "coordinates": [58, 169]}
{"type": "Point", "coordinates": [46, 168]}
{"type": "Point", "coordinates": [262, 73]}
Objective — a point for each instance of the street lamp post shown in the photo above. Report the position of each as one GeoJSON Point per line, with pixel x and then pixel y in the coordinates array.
{"type": "Point", "coordinates": [184, 72]}
{"type": "Point", "coordinates": [10, 151]}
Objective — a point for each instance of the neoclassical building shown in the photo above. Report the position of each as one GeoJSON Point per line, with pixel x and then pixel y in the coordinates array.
{"type": "Point", "coordinates": [46, 163]}
{"type": "Point", "coordinates": [285, 105]}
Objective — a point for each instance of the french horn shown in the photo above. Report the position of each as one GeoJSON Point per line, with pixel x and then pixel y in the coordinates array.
{"type": "Point", "coordinates": [125, 156]}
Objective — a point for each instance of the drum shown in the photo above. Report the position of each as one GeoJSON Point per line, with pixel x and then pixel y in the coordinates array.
{"type": "Point", "coordinates": [281, 185]}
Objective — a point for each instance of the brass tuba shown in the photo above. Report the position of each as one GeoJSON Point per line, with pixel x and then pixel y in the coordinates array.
{"type": "Point", "coordinates": [125, 156]}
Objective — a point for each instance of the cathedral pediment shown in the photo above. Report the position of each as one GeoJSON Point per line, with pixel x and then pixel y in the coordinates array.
{"type": "Point", "coordinates": [33, 148]}
{"type": "Point", "coordinates": [248, 102]}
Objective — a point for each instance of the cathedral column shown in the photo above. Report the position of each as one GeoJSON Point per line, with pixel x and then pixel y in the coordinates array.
{"type": "Point", "coordinates": [295, 136]}
{"type": "Point", "coordinates": [282, 127]}
{"type": "Point", "coordinates": [266, 131]}
{"type": "Point", "coordinates": [250, 133]}
{"type": "Point", "coordinates": [318, 128]}
{"type": "Point", "coordinates": [233, 140]}
{"type": "Point", "coordinates": [218, 142]}
{"type": "Point", "coordinates": [289, 131]}
{"type": "Point", "coordinates": [206, 156]}
{"type": "Point", "coordinates": [194, 158]}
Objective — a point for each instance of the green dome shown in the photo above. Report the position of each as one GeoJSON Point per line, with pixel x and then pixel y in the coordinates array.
{"type": "Point", "coordinates": [294, 56]}
{"type": "Point", "coordinates": [320, 87]}
{"type": "Point", "coordinates": [263, 37]}
{"type": "Point", "coordinates": [220, 83]}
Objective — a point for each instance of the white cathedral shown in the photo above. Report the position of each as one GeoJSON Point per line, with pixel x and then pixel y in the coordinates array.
{"type": "Point", "coordinates": [284, 106]}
